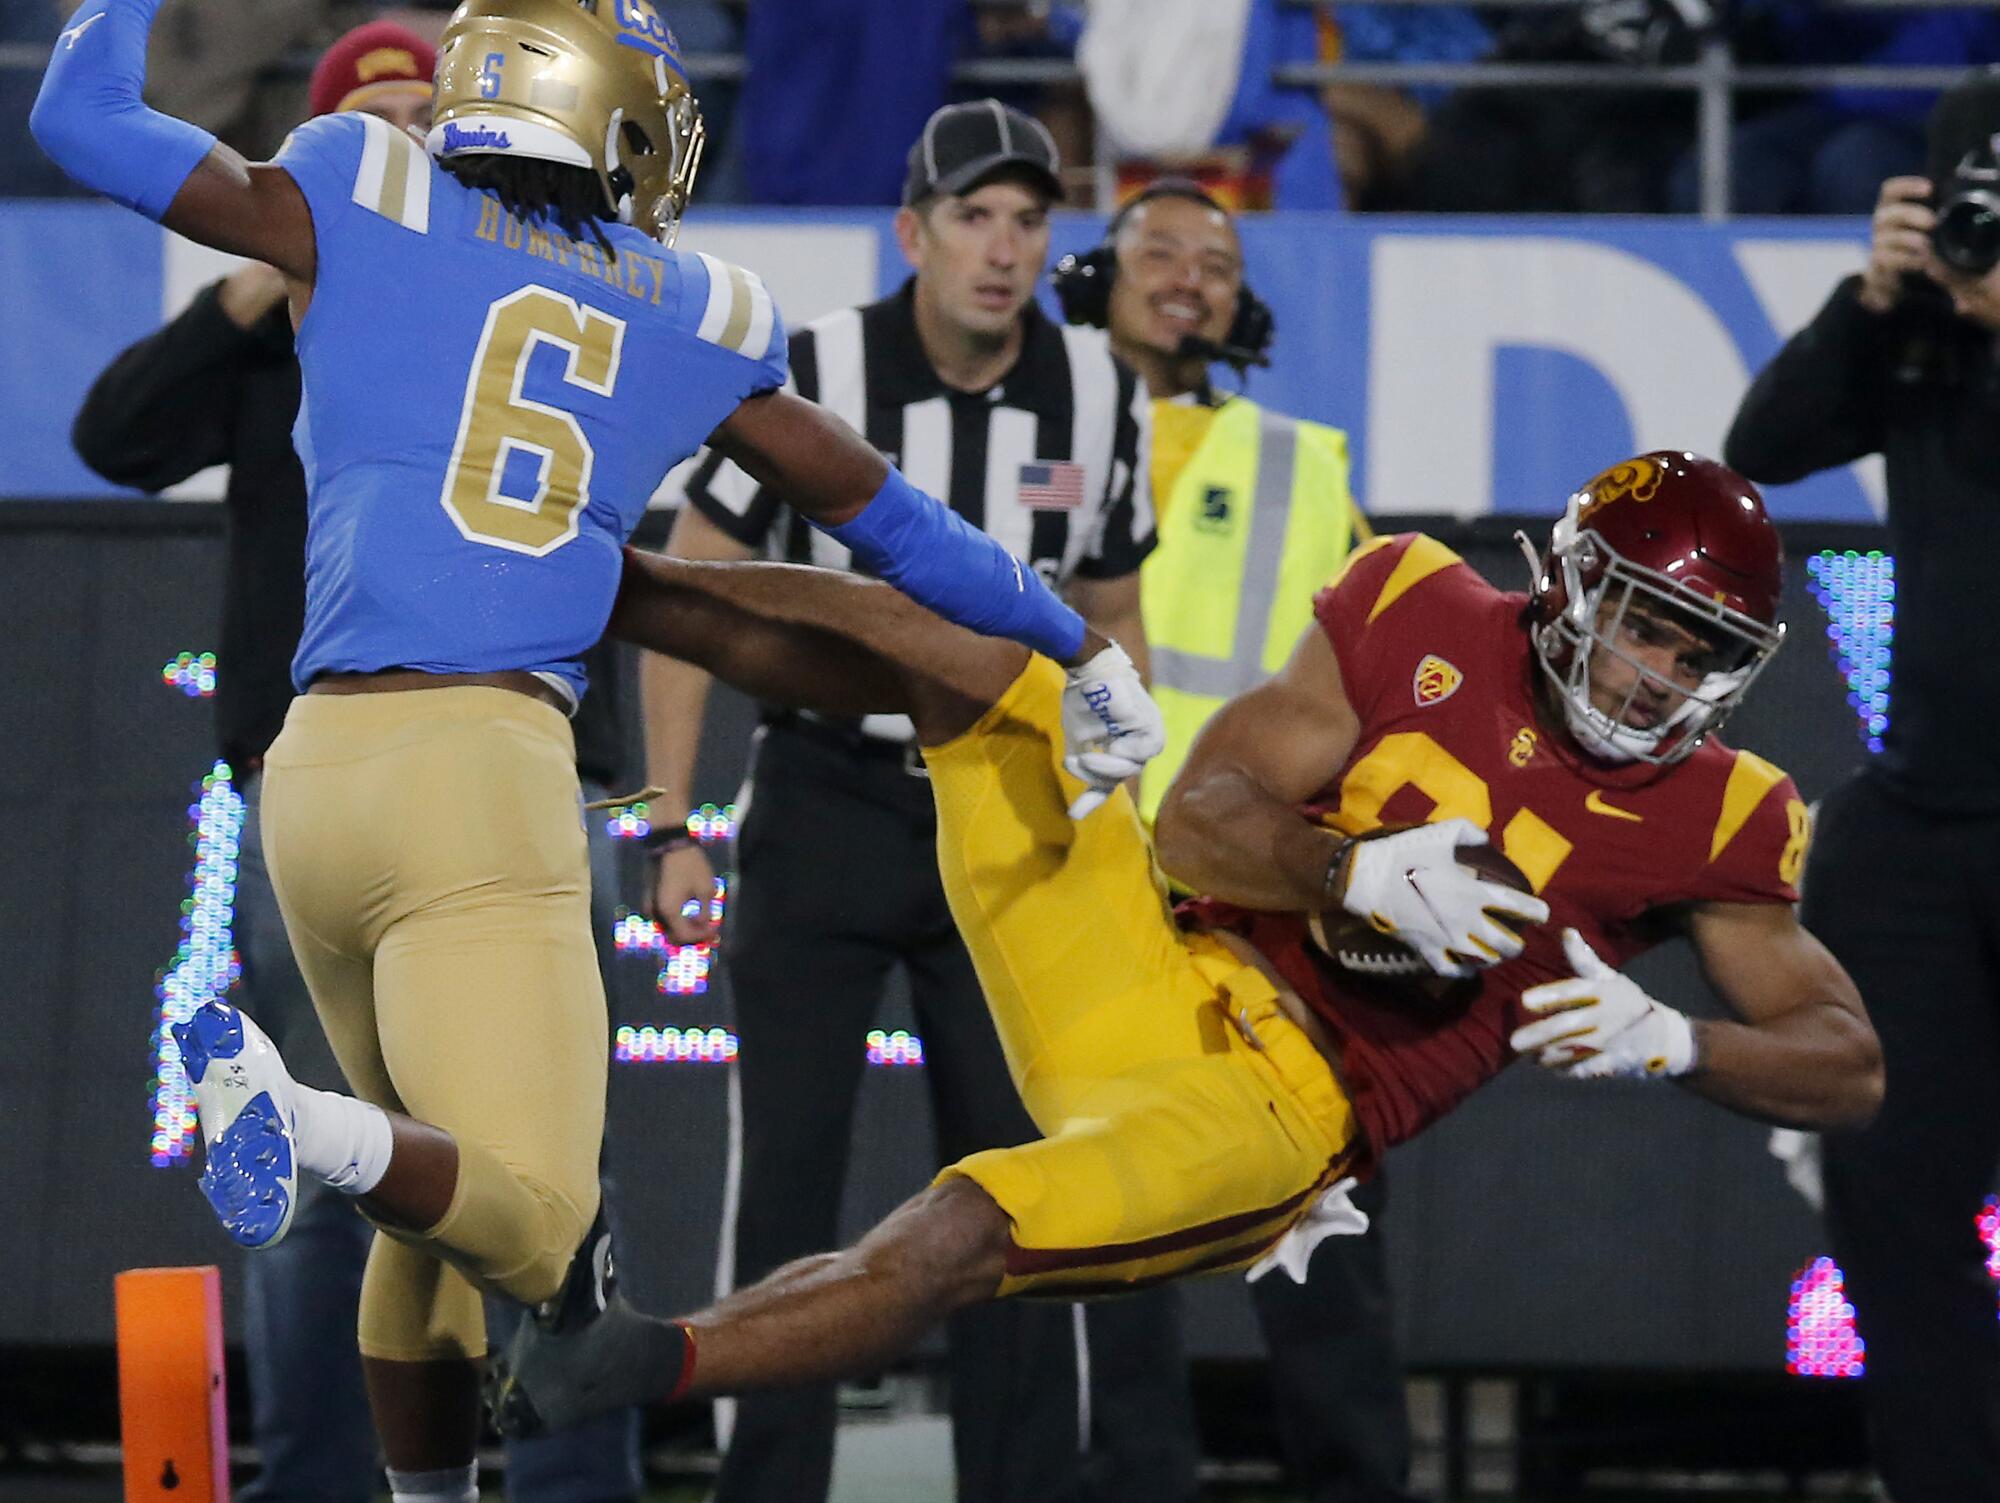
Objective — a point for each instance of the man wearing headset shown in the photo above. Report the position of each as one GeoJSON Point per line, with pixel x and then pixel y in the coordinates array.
{"type": "Point", "coordinates": [1253, 507]}
{"type": "Point", "coordinates": [1254, 516]}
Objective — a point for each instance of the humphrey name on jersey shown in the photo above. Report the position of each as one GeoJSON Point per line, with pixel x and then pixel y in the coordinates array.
{"type": "Point", "coordinates": [634, 273]}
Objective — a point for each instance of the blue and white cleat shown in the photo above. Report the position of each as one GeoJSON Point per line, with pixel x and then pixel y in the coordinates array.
{"type": "Point", "coordinates": [243, 1094]}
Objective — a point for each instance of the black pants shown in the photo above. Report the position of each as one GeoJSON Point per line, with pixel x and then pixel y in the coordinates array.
{"type": "Point", "coordinates": [837, 883]}
{"type": "Point", "coordinates": [1909, 902]}
{"type": "Point", "coordinates": [1334, 1368]}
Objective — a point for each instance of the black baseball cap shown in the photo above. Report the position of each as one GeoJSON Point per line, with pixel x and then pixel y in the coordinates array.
{"type": "Point", "coordinates": [963, 143]}
{"type": "Point", "coordinates": [1965, 122]}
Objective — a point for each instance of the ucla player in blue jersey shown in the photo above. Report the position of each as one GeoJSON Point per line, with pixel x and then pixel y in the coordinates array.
{"type": "Point", "coordinates": [502, 355]}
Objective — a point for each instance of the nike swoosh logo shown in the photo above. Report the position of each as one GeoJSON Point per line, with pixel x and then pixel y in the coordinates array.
{"type": "Point", "coordinates": [1594, 802]}
{"type": "Point", "coordinates": [75, 32]}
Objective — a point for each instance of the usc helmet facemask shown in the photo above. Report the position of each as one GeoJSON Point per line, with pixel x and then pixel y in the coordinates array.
{"type": "Point", "coordinates": [1669, 536]}
{"type": "Point", "coordinates": [588, 83]}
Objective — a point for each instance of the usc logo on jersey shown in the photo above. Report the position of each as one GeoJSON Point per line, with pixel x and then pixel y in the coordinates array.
{"type": "Point", "coordinates": [1435, 680]}
{"type": "Point", "coordinates": [1638, 478]}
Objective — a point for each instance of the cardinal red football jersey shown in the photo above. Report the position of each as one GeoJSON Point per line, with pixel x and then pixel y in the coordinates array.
{"type": "Point", "coordinates": [1438, 665]}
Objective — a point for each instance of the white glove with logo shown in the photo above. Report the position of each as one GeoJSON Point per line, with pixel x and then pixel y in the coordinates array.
{"type": "Point", "coordinates": [1111, 727]}
{"type": "Point", "coordinates": [1410, 884]}
{"type": "Point", "coordinates": [1599, 1024]}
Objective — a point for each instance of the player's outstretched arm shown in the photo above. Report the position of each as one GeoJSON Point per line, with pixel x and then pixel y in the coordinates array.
{"type": "Point", "coordinates": [1229, 825]}
{"type": "Point", "coordinates": [90, 119]}
{"type": "Point", "coordinates": [1803, 1053]}
{"type": "Point", "coordinates": [915, 542]}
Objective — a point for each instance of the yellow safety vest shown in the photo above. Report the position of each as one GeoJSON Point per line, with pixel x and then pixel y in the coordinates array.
{"type": "Point", "coordinates": [1254, 516]}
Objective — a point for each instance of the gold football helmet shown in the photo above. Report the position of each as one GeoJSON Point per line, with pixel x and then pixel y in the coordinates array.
{"type": "Point", "coordinates": [590, 83]}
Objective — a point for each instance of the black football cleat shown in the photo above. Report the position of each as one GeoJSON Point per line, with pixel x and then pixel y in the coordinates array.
{"type": "Point", "coordinates": [583, 1352]}
{"type": "Point", "coordinates": [551, 1379]}
{"type": "Point", "coordinates": [588, 1286]}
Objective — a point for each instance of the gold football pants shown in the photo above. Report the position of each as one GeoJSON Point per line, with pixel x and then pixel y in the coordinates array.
{"type": "Point", "coordinates": [1187, 1122]}
{"type": "Point", "coordinates": [428, 852]}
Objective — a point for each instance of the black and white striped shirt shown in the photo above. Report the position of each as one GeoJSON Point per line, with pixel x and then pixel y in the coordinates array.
{"type": "Point", "coordinates": [1065, 400]}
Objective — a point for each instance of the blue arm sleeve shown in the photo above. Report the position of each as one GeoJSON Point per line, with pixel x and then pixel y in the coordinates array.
{"type": "Point", "coordinates": [90, 120]}
{"type": "Point", "coordinates": [937, 558]}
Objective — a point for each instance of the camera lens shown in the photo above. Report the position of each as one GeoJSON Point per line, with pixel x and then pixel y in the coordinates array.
{"type": "Point", "coordinates": [1967, 237]}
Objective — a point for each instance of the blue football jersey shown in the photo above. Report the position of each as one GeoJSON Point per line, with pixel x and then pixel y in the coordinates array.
{"type": "Point", "coordinates": [488, 405]}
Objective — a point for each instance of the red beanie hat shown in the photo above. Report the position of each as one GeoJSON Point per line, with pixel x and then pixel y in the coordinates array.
{"type": "Point", "coordinates": [368, 61]}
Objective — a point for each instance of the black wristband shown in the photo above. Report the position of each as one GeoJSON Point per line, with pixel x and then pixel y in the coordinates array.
{"type": "Point", "coordinates": [1334, 886]}
{"type": "Point", "coordinates": [665, 838]}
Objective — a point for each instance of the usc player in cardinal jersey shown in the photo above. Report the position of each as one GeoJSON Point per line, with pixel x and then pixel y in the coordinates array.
{"type": "Point", "coordinates": [1206, 1079]}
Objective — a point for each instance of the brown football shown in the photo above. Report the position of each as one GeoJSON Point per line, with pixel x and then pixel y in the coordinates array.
{"type": "Point", "coordinates": [1358, 947]}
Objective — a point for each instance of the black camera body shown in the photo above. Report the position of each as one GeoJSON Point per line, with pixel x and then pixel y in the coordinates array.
{"type": "Point", "coordinates": [1967, 235]}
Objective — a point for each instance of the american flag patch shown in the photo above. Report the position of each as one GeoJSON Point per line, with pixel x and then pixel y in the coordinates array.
{"type": "Point", "coordinates": [1050, 485]}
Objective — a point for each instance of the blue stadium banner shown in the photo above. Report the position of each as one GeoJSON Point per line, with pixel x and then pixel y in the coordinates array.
{"type": "Point", "coordinates": [1478, 365]}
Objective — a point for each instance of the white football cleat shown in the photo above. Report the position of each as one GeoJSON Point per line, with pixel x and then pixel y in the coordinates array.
{"type": "Point", "coordinates": [243, 1094]}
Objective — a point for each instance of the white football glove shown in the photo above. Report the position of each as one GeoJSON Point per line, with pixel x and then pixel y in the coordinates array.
{"type": "Point", "coordinates": [1599, 1024]}
{"type": "Point", "coordinates": [1111, 727]}
{"type": "Point", "coordinates": [1411, 885]}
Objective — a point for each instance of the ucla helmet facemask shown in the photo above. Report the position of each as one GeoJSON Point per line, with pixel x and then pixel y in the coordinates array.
{"type": "Point", "coordinates": [588, 83]}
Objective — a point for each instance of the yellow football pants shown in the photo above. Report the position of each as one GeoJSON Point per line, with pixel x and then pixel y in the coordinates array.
{"type": "Point", "coordinates": [1187, 1121]}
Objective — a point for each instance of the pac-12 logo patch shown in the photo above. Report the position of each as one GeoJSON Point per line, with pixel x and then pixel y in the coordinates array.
{"type": "Point", "coordinates": [1436, 680]}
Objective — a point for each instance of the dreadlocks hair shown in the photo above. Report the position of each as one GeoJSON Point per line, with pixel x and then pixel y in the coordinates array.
{"type": "Point", "coordinates": [530, 188]}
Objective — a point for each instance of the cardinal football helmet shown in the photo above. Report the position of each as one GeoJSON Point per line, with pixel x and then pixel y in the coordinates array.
{"type": "Point", "coordinates": [589, 83]}
{"type": "Point", "coordinates": [1675, 535]}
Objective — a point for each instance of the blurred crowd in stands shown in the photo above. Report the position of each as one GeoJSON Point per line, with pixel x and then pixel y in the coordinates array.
{"type": "Point", "coordinates": [815, 101]}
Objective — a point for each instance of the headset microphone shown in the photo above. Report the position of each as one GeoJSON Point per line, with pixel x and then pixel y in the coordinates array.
{"type": "Point", "coordinates": [1083, 288]}
{"type": "Point", "coordinates": [1193, 346]}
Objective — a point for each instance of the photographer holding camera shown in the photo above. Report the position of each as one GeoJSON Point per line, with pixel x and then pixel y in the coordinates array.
{"type": "Point", "coordinates": [1904, 361]}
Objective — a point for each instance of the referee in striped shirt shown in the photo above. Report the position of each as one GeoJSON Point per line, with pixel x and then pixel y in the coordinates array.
{"type": "Point", "coordinates": [1035, 433]}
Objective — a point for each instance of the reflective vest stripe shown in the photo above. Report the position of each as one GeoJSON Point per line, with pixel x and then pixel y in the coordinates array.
{"type": "Point", "coordinates": [1256, 586]}
{"type": "Point", "coordinates": [1226, 594]}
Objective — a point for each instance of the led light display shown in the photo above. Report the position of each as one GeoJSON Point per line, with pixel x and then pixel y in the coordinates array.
{"type": "Point", "coordinates": [1858, 593]}
{"type": "Point", "coordinates": [898, 1048]}
{"type": "Point", "coordinates": [205, 966]}
{"type": "Point", "coordinates": [628, 822]}
{"type": "Point", "coordinates": [1820, 1338]}
{"type": "Point", "coordinates": [193, 673]}
{"type": "Point", "coordinates": [677, 1046]}
{"type": "Point", "coordinates": [683, 970]}
{"type": "Point", "coordinates": [1989, 1234]}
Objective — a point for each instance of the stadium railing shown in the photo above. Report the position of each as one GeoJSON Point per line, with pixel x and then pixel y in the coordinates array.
{"type": "Point", "coordinates": [1715, 78]}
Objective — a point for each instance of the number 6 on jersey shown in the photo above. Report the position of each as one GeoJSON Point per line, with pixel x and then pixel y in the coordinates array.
{"type": "Point", "coordinates": [501, 430]}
